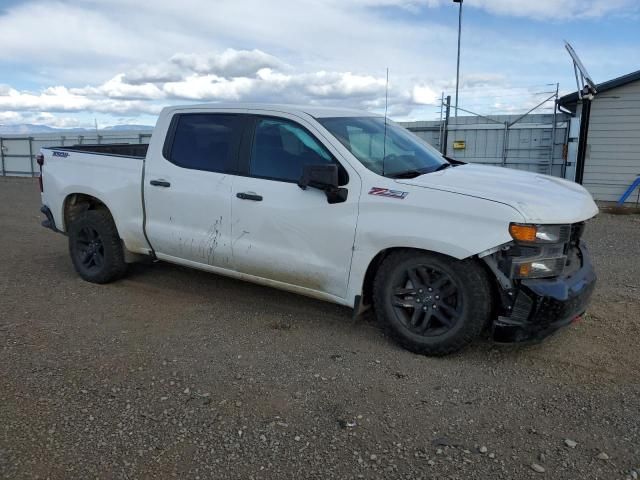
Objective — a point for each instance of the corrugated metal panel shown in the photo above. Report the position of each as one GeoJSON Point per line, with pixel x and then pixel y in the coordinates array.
{"type": "Point", "coordinates": [528, 141]}
{"type": "Point", "coordinates": [613, 156]}
{"type": "Point", "coordinates": [428, 131]}
{"type": "Point", "coordinates": [528, 146]}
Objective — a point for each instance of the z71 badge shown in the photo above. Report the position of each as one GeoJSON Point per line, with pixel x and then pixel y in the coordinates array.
{"type": "Point", "coordinates": [385, 192]}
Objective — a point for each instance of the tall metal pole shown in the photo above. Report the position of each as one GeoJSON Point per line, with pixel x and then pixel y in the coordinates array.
{"type": "Point", "coordinates": [458, 66]}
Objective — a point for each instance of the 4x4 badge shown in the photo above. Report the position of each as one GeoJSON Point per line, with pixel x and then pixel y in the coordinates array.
{"type": "Point", "coordinates": [385, 192]}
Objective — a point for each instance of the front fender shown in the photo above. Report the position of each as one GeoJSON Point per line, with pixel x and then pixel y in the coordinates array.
{"type": "Point", "coordinates": [451, 224]}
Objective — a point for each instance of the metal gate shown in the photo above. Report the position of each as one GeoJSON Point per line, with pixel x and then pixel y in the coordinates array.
{"type": "Point", "coordinates": [535, 142]}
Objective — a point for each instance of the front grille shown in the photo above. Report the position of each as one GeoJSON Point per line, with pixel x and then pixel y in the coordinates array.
{"type": "Point", "coordinates": [565, 233]}
{"type": "Point", "coordinates": [522, 307]}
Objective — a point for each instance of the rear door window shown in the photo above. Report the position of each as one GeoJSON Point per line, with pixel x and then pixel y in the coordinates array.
{"type": "Point", "coordinates": [202, 141]}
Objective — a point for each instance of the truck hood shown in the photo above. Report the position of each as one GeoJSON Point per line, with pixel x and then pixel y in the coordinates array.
{"type": "Point", "coordinates": [539, 198]}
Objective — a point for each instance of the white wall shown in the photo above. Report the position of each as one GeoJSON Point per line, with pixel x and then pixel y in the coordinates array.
{"type": "Point", "coordinates": [612, 160]}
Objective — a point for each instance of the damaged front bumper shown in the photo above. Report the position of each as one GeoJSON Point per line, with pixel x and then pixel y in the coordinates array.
{"type": "Point", "coordinates": [538, 308]}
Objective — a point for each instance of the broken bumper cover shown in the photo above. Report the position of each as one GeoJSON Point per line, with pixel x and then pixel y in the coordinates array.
{"type": "Point", "coordinates": [543, 306]}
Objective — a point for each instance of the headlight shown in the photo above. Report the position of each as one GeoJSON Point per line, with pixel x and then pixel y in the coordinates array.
{"type": "Point", "coordinates": [532, 234]}
{"type": "Point", "coordinates": [542, 250]}
{"type": "Point", "coordinates": [538, 268]}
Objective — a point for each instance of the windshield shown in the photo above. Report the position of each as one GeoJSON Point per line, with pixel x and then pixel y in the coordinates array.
{"type": "Point", "coordinates": [396, 153]}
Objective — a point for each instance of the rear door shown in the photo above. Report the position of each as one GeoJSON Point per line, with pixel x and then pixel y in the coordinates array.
{"type": "Point", "coordinates": [281, 232]}
{"type": "Point", "coordinates": [187, 188]}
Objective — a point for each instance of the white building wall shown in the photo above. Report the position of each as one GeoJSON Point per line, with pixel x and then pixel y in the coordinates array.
{"type": "Point", "coordinates": [613, 148]}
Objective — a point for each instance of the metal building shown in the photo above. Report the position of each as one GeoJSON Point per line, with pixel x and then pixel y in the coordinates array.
{"type": "Point", "coordinates": [612, 155]}
{"type": "Point", "coordinates": [535, 142]}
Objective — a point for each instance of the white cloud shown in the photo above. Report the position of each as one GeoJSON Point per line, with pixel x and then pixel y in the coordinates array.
{"type": "Point", "coordinates": [424, 95]}
{"type": "Point", "coordinates": [64, 33]}
{"type": "Point", "coordinates": [120, 96]}
{"type": "Point", "coordinates": [118, 88]}
{"type": "Point", "coordinates": [40, 118]}
{"type": "Point", "coordinates": [129, 58]}
{"type": "Point", "coordinates": [539, 9]}
{"type": "Point", "coordinates": [52, 120]}
{"type": "Point", "coordinates": [210, 87]}
{"type": "Point", "coordinates": [340, 85]}
{"type": "Point", "coordinates": [230, 63]}
{"type": "Point", "coordinates": [555, 9]}
{"type": "Point", "coordinates": [10, 117]}
{"type": "Point", "coordinates": [154, 73]}
{"type": "Point", "coordinates": [61, 99]}
{"type": "Point", "coordinates": [270, 85]}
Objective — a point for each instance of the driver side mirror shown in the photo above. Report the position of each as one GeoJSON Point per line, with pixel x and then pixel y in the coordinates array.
{"type": "Point", "coordinates": [323, 177]}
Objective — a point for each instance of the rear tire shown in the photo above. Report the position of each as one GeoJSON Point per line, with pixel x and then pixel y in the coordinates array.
{"type": "Point", "coordinates": [95, 247]}
{"type": "Point", "coordinates": [431, 304]}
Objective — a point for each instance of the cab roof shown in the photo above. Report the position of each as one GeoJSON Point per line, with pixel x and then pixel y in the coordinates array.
{"type": "Point", "coordinates": [313, 110]}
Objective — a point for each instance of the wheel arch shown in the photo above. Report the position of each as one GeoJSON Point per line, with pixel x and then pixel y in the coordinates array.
{"type": "Point", "coordinates": [366, 287]}
{"type": "Point", "coordinates": [76, 203]}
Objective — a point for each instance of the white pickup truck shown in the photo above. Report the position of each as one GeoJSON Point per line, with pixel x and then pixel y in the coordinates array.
{"type": "Point", "coordinates": [337, 204]}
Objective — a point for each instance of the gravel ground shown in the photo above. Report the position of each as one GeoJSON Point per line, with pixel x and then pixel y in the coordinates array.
{"type": "Point", "coordinates": [175, 373]}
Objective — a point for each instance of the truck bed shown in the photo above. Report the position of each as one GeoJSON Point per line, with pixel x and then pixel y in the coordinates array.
{"type": "Point", "coordinates": [110, 173]}
{"type": "Point", "coordinates": [136, 150]}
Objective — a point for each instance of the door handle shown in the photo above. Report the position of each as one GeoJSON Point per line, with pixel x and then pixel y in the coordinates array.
{"type": "Point", "coordinates": [160, 183]}
{"type": "Point", "coordinates": [249, 196]}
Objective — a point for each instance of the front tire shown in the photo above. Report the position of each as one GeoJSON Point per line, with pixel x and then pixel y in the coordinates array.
{"type": "Point", "coordinates": [431, 304]}
{"type": "Point", "coordinates": [95, 247]}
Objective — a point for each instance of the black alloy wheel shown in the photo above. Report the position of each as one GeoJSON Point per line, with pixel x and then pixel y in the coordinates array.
{"type": "Point", "coordinates": [430, 303]}
{"type": "Point", "coordinates": [90, 252]}
{"type": "Point", "coordinates": [426, 300]}
{"type": "Point", "coordinates": [95, 247]}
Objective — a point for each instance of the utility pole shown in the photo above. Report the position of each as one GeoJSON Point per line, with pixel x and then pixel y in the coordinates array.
{"type": "Point", "coordinates": [459, 36]}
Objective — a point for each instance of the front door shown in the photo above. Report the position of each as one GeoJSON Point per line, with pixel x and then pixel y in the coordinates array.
{"type": "Point", "coordinates": [281, 232]}
{"type": "Point", "coordinates": [188, 189]}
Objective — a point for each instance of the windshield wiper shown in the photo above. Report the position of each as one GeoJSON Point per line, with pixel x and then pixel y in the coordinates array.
{"type": "Point", "coordinates": [417, 172]}
{"type": "Point", "coordinates": [408, 174]}
{"type": "Point", "coordinates": [453, 161]}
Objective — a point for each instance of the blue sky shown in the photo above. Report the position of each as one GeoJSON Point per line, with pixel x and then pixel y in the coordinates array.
{"type": "Point", "coordinates": [64, 63]}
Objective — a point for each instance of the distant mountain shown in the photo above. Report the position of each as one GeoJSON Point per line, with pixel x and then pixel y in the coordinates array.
{"type": "Point", "coordinates": [24, 128]}
{"type": "Point", "coordinates": [27, 128]}
{"type": "Point", "coordinates": [128, 127]}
